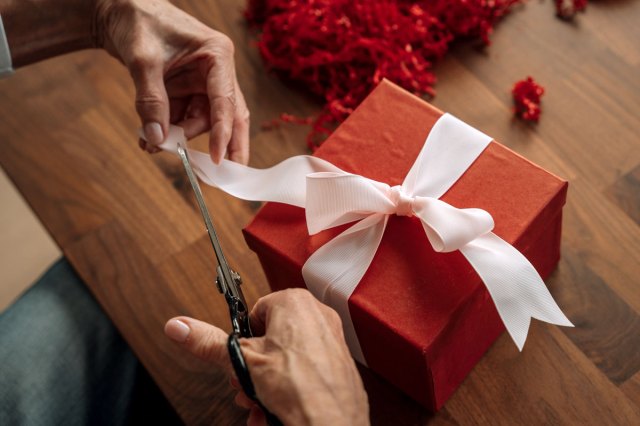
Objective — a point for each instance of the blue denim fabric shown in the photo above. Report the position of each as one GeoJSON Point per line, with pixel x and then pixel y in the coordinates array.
{"type": "Point", "coordinates": [62, 362]}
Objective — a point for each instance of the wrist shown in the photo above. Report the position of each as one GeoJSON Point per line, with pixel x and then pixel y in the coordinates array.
{"type": "Point", "coordinates": [338, 405]}
{"type": "Point", "coordinates": [40, 29]}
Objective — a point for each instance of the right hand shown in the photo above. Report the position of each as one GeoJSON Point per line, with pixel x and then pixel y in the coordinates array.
{"type": "Point", "coordinates": [300, 364]}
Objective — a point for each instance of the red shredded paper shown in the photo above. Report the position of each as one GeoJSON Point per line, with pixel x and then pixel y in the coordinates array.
{"type": "Point", "coordinates": [341, 49]}
{"type": "Point", "coordinates": [526, 99]}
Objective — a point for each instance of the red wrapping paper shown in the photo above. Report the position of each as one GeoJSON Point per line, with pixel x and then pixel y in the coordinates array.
{"type": "Point", "coordinates": [423, 319]}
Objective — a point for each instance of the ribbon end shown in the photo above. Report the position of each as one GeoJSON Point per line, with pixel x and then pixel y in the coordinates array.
{"type": "Point", "coordinates": [549, 311]}
{"type": "Point", "coordinates": [556, 318]}
{"type": "Point", "coordinates": [520, 329]}
{"type": "Point", "coordinates": [175, 135]}
{"type": "Point", "coordinates": [564, 322]}
{"type": "Point", "coordinates": [519, 334]}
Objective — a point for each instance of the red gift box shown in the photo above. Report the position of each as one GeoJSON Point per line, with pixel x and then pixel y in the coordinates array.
{"type": "Point", "coordinates": [423, 319]}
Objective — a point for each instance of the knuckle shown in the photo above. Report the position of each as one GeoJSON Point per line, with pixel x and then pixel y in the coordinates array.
{"type": "Point", "coordinates": [261, 301]}
{"type": "Point", "coordinates": [225, 45]}
{"type": "Point", "coordinates": [147, 100]}
{"type": "Point", "coordinates": [207, 349]}
{"type": "Point", "coordinates": [333, 318]}
{"type": "Point", "coordinates": [329, 314]}
{"type": "Point", "coordinates": [225, 137]}
{"type": "Point", "coordinates": [222, 107]}
{"type": "Point", "coordinates": [300, 294]}
{"type": "Point", "coordinates": [221, 50]}
{"type": "Point", "coordinates": [141, 62]}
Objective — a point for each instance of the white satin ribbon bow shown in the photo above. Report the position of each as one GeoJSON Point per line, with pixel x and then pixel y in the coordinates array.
{"type": "Point", "coordinates": [332, 197]}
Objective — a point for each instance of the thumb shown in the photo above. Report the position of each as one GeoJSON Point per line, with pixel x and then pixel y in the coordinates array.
{"type": "Point", "coordinates": [203, 340]}
{"type": "Point", "coordinates": [152, 102]}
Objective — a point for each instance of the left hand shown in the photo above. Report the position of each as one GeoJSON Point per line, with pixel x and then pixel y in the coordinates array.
{"type": "Point", "coordinates": [183, 72]}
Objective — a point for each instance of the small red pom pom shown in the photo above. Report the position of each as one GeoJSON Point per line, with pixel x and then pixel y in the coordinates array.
{"type": "Point", "coordinates": [566, 9]}
{"type": "Point", "coordinates": [526, 99]}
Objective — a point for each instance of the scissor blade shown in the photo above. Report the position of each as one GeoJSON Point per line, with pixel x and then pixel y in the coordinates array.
{"type": "Point", "coordinates": [182, 152]}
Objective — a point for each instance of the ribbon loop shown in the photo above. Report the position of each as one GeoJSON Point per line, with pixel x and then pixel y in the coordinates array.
{"type": "Point", "coordinates": [449, 228]}
{"type": "Point", "coordinates": [337, 198]}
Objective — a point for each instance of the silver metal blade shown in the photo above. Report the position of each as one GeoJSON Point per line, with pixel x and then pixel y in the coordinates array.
{"type": "Point", "coordinates": [222, 262]}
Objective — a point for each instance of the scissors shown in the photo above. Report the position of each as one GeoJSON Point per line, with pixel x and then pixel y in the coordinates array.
{"type": "Point", "coordinates": [228, 282]}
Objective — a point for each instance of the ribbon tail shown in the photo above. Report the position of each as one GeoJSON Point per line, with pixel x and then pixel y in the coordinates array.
{"type": "Point", "coordinates": [333, 272]}
{"type": "Point", "coordinates": [515, 286]}
{"type": "Point", "coordinates": [283, 183]}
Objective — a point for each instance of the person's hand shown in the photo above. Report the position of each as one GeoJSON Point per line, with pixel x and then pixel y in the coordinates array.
{"type": "Point", "coordinates": [183, 72]}
{"type": "Point", "coordinates": [300, 365]}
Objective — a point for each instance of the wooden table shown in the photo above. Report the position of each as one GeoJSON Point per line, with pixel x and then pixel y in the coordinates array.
{"type": "Point", "coordinates": [128, 224]}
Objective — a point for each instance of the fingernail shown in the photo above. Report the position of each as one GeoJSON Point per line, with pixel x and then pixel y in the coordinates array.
{"type": "Point", "coordinates": [153, 133]}
{"type": "Point", "coordinates": [177, 330]}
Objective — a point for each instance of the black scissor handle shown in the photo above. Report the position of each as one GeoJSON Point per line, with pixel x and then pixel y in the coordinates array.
{"type": "Point", "coordinates": [242, 372]}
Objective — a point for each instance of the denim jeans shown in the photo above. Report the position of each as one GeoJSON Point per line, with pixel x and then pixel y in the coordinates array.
{"type": "Point", "coordinates": [62, 362]}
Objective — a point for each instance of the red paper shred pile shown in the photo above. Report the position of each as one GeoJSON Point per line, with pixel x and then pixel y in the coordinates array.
{"type": "Point", "coordinates": [526, 99]}
{"type": "Point", "coordinates": [341, 49]}
{"type": "Point", "coordinates": [566, 9]}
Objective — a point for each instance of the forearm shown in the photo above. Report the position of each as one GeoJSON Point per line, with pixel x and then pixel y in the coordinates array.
{"type": "Point", "coordinates": [39, 29]}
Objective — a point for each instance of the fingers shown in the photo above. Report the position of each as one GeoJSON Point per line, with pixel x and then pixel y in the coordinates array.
{"type": "Point", "coordinates": [258, 316]}
{"type": "Point", "coordinates": [239, 145]}
{"type": "Point", "coordinates": [256, 417]}
{"type": "Point", "coordinates": [290, 299]}
{"type": "Point", "coordinates": [235, 383]}
{"type": "Point", "coordinates": [203, 340]}
{"type": "Point", "coordinates": [276, 309]}
{"type": "Point", "coordinates": [178, 108]}
{"type": "Point", "coordinates": [185, 83]}
{"type": "Point", "coordinates": [196, 117]}
{"type": "Point", "coordinates": [152, 102]}
{"type": "Point", "coordinates": [242, 400]}
{"type": "Point", "coordinates": [222, 98]}
{"type": "Point", "coordinates": [220, 109]}
{"type": "Point", "coordinates": [198, 107]}
{"type": "Point", "coordinates": [222, 113]}
{"type": "Point", "coordinates": [145, 146]}
{"type": "Point", "coordinates": [262, 310]}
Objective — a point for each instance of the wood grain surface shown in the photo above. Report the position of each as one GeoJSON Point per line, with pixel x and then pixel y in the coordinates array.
{"type": "Point", "coordinates": [128, 224]}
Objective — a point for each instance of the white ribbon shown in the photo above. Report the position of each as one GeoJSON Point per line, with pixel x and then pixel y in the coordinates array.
{"type": "Point", "coordinates": [333, 197]}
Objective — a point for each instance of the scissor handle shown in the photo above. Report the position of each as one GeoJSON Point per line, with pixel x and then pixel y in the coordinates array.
{"type": "Point", "coordinates": [242, 372]}
{"type": "Point", "coordinates": [239, 313]}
